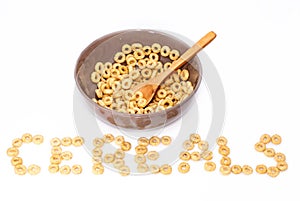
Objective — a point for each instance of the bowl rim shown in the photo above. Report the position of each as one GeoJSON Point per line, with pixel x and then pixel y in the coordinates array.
{"type": "Point", "coordinates": [94, 44]}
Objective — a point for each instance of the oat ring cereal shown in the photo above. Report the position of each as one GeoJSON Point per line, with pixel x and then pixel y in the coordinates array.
{"type": "Point", "coordinates": [133, 64]}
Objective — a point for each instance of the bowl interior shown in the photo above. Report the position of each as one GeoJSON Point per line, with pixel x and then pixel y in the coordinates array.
{"type": "Point", "coordinates": [104, 48]}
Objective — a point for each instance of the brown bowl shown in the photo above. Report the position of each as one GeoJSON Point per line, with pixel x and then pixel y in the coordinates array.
{"type": "Point", "coordinates": [103, 49]}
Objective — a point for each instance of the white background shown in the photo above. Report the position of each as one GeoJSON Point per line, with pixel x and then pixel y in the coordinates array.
{"type": "Point", "coordinates": [256, 54]}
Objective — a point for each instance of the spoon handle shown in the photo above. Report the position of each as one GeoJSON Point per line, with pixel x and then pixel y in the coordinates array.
{"type": "Point", "coordinates": [185, 57]}
{"type": "Point", "coordinates": [190, 53]}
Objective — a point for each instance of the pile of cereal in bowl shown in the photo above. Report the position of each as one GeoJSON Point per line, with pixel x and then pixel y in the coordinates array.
{"type": "Point", "coordinates": [135, 64]}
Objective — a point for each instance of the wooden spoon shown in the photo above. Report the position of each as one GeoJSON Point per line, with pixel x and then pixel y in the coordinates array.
{"type": "Point", "coordinates": [149, 87]}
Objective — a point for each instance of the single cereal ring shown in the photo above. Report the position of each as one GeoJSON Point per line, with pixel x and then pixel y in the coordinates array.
{"type": "Point", "coordinates": [124, 69]}
{"type": "Point", "coordinates": [260, 146]}
{"type": "Point", "coordinates": [176, 77]}
{"type": "Point", "coordinates": [152, 155]}
{"type": "Point", "coordinates": [56, 150]}
{"type": "Point", "coordinates": [140, 149]}
{"type": "Point", "coordinates": [203, 145]}
{"type": "Point", "coordinates": [140, 158]}
{"type": "Point", "coordinates": [165, 51]}
{"type": "Point", "coordinates": [166, 169]}
{"type": "Point", "coordinates": [146, 73]}
{"type": "Point", "coordinates": [66, 155]}
{"type": "Point", "coordinates": [154, 169]}
{"type": "Point", "coordinates": [209, 166]}
{"type": "Point", "coordinates": [38, 139]}
{"type": "Point", "coordinates": [185, 156]}
{"type": "Point", "coordinates": [20, 169]}
{"type": "Point", "coordinates": [116, 66]}
{"type": "Point", "coordinates": [156, 47]}
{"type": "Point", "coordinates": [108, 65]}
{"type": "Point", "coordinates": [17, 142]}
{"type": "Point", "coordinates": [119, 57]}
{"type": "Point", "coordinates": [95, 77]}
{"type": "Point", "coordinates": [126, 83]}
{"type": "Point", "coordinates": [108, 158]}
{"type": "Point", "coordinates": [53, 168]}
{"type": "Point", "coordinates": [225, 161]}
{"type": "Point", "coordinates": [175, 87]}
{"type": "Point", "coordinates": [195, 138]}
{"type": "Point", "coordinates": [99, 67]}
{"type": "Point", "coordinates": [154, 141]}
{"type": "Point", "coordinates": [106, 73]}
{"type": "Point", "coordinates": [124, 171]}
{"type": "Point", "coordinates": [98, 142]}
{"type": "Point", "coordinates": [136, 96]}
{"type": "Point", "coordinates": [269, 152]}
{"type": "Point", "coordinates": [126, 146]}
{"type": "Point", "coordinates": [126, 49]}
{"type": "Point", "coordinates": [207, 155]}
{"type": "Point", "coordinates": [225, 170]}
{"type": "Point", "coordinates": [261, 169]}
{"type": "Point", "coordinates": [107, 100]}
{"type": "Point", "coordinates": [221, 141]}
{"type": "Point", "coordinates": [166, 103]}
{"type": "Point", "coordinates": [118, 163]}
{"type": "Point", "coordinates": [161, 93]}
{"type": "Point", "coordinates": [77, 141]}
{"type": "Point", "coordinates": [147, 50]}
{"type": "Point", "coordinates": [224, 150]}
{"type": "Point", "coordinates": [188, 145]}
{"type": "Point", "coordinates": [236, 169]}
{"type": "Point", "coordinates": [142, 102]}
{"type": "Point", "coordinates": [116, 86]}
{"type": "Point", "coordinates": [115, 73]}
{"type": "Point", "coordinates": [27, 138]}
{"type": "Point", "coordinates": [183, 167]}
{"type": "Point", "coordinates": [282, 166]}
{"type": "Point", "coordinates": [143, 141]}
{"type": "Point", "coordinates": [247, 170]}
{"type": "Point", "coordinates": [151, 64]}
{"type": "Point", "coordinates": [170, 94]}
{"type": "Point", "coordinates": [174, 55]}
{"type": "Point", "coordinates": [279, 157]}
{"type": "Point", "coordinates": [16, 161]}
{"type": "Point", "coordinates": [184, 75]}
{"type": "Point", "coordinates": [142, 63]}
{"type": "Point", "coordinates": [148, 110]}
{"type": "Point", "coordinates": [65, 170]}
{"type": "Point", "coordinates": [97, 159]}
{"type": "Point", "coordinates": [98, 169]}
{"type": "Point", "coordinates": [108, 138]}
{"type": "Point", "coordinates": [273, 171]}
{"type": "Point", "coordinates": [97, 152]}
{"type": "Point", "coordinates": [136, 46]}
{"type": "Point", "coordinates": [119, 140]}
{"type": "Point", "coordinates": [142, 168]}
{"type": "Point", "coordinates": [66, 141]}
{"type": "Point", "coordinates": [134, 74]}
{"type": "Point", "coordinates": [154, 57]}
{"type": "Point", "coordinates": [12, 152]}
{"type": "Point", "coordinates": [34, 169]}
{"type": "Point", "coordinates": [265, 138]}
{"type": "Point", "coordinates": [195, 156]}
{"type": "Point", "coordinates": [76, 169]}
{"type": "Point", "coordinates": [276, 139]}
{"type": "Point", "coordinates": [166, 140]}
{"type": "Point", "coordinates": [138, 54]}
{"type": "Point", "coordinates": [128, 94]}
{"type": "Point", "coordinates": [55, 159]}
